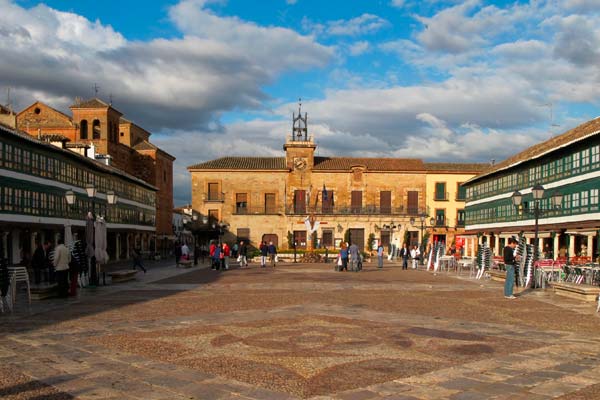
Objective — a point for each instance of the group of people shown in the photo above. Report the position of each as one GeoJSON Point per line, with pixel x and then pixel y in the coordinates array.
{"type": "Point", "coordinates": [413, 254]}
{"type": "Point", "coordinates": [268, 251]}
{"type": "Point", "coordinates": [219, 255]}
{"type": "Point", "coordinates": [349, 255]}
{"type": "Point", "coordinates": [56, 265]}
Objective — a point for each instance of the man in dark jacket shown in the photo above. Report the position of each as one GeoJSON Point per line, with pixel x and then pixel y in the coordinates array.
{"type": "Point", "coordinates": [38, 262]}
{"type": "Point", "coordinates": [405, 254]}
{"type": "Point", "coordinates": [509, 262]}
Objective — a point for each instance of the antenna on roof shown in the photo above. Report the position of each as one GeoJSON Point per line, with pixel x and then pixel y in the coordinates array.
{"type": "Point", "coordinates": [552, 124]}
{"type": "Point", "coordinates": [8, 105]}
{"type": "Point", "coordinates": [110, 99]}
{"type": "Point", "coordinates": [96, 89]}
{"type": "Point", "coordinates": [492, 161]}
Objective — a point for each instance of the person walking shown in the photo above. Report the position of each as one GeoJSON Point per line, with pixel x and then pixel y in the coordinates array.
{"type": "Point", "coordinates": [38, 262]}
{"type": "Point", "coordinates": [272, 250]}
{"type": "Point", "coordinates": [221, 257]}
{"type": "Point", "coordinates": [62, 258]}
{"type": "Point", "coordinates": [217, 258]}
{"type": "Point", "coordinates": [243, 249]}
{"type": "Point", "coordinates": [344, 257]}
{"type": "Point", "coordinates": [354, 255]}
{"type": "Point", "coordinates": [414, 255]}
{"type": "Point", "coordinates": [137, 259]}
{"type": "Point", "coordinates": [264, 250]}
{"type": "Point", "coordinates": [185, 251]}
{"type": "Point", "coordinates": [226, 254]}
{"type": "Point", "coordinates": [380, 256]}
{"type": "Point", "coordinates": [510, 261]}
{"type": "Point", "coordinates": [404, 253]}
{"type": "Point", "coordinates": [211, 254]}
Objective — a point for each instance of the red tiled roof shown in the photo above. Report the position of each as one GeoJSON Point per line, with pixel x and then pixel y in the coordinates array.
{"type": "Point", "coordinates": [91, 103]}
{"type": "Point", "coordinates": [458, 167]}
{"type": "Point", "coordinates": [589, 128]}
{"type": "Point", "coordinates": [371, 164]}
{"type": "Point", "coordinates": [242, 163]}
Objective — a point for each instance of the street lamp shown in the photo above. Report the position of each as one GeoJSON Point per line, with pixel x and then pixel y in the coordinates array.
{"type": "Point", "coordinates": [538, 193]}
{"type": "Point", "coordinates": [422, 219]}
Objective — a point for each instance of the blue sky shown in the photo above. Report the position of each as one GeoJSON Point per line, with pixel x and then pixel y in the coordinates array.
{"type": "Point", "coordinates": [440, 80]}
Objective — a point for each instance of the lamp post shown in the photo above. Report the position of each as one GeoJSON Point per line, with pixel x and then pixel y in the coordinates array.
{"type": "Point", "coordinates": [537, 211]}
{"type": "Point", "coordinates": [391, 226]}
{"type": "Point", "coordinates": [91, 192]}
{"type": "Point", "coordinates": [422, 219]}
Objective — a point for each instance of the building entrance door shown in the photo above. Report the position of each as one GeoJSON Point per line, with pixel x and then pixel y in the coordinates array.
{"type": "Point", "coordinates": [357, 236]}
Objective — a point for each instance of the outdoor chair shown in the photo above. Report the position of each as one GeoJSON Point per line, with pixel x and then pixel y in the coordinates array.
{"type": "Point", "coordinates": [19, 274]}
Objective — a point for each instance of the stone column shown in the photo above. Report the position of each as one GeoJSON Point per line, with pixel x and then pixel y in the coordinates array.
{"type": "Point", "coordinates": [555, 246]}
{"type": "Point", "coordinates": [118, 246]}
{"type": "Point", "coordinates": [571, 245]}
{"type": "Point", "coordinates": [127, 246]}
{"type": "Point", "coordinates": [16, 254]}
{"type": "Point", "coordinates": [32, 242]}
{"type": "Point", "coordinates": [497, 249]}
{"type": "Point", "coordinates": [473, 247]}
{"type": "Point", "coordinates": [590, 246]}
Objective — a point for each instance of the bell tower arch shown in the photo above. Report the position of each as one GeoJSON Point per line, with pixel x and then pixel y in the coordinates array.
{"type": "Point", "coordinates": [300, 147]}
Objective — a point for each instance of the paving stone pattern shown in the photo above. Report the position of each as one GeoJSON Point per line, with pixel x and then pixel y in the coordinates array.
{"type": "Point", "coordinates": [301, 332]}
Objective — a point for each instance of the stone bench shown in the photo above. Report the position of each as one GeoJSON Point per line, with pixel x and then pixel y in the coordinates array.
{"type": "Point", "coordinates": [575, 291]}
{"type": "Point", "coordinates": [123, 275]}
{"type": "Point", "coordinates": [184, 263]}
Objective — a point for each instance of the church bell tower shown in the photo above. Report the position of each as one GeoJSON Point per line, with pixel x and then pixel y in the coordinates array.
{"type": "Point", "coordinates": [299, 147]}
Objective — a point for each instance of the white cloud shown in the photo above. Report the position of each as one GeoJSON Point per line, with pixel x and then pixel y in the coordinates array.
{"type": "Point", "coordinates": [364, 24]}
{"type": "Point", "coordinates": [397, 3]}
{"type": "Point", "coordinates": [220, 64]}
{"type": "Point", "coordinates": [359, 48]}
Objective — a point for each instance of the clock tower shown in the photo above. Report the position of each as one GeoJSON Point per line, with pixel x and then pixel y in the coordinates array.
{"type": "Point", "coordinates": [299, 147]}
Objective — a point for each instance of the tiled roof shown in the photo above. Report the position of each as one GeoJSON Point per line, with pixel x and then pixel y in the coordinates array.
{"type": "Point", "coordinates": [144, 145]}
{"type": "Point", "coordinates": [371, 164]}
{"type": "Point", "coordinates": [458, 167]}
{"type": "Point", "coordinates": [5, 130]}
{"type": "Point", "coordinates": [589, 128]}
{"type": "Point", "coordinates": [91, 103]}
{"type": "Point", "coordinates": [242, 163]}
{"type": "Point", "coordinates": [55, 138]}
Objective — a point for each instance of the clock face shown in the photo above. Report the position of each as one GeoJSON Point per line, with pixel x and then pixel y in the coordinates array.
{"type": "Point", "coordinates": [300, 163]}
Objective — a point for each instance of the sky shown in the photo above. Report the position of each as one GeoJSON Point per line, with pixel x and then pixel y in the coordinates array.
{"type": "Point", "coordinates": [469, 81]}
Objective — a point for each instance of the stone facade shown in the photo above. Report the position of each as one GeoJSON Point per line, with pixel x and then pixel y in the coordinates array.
{"type": "Point", "coordinates": [271, 198]}
{"type": "Point", "coordinates": [127, 145]}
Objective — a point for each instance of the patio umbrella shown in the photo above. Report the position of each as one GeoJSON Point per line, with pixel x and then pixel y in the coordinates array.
{"type": "Point", "coordinates": [100, 241]}
{"type": "Point", "coordinates": [89, 235]}
{"type": "Point", "coordinates": [68, 237]}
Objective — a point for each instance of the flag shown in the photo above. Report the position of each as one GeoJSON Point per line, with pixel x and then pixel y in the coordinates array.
{"type": "Point", "coordinates": [331, 200]}
{"type": "Point", "coordinates": [324, 193]}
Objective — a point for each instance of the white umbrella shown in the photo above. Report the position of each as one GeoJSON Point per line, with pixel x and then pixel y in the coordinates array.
{"type": "Point", "coordinates": [100, 241]}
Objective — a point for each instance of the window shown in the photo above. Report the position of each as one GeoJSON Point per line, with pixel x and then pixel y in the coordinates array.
{"type": "Point", "coordinates": [243, 234]}
{"type": "Point", "coordinates": [96, 129]}
{"type": "Point", "coordinates": [327, 201]}
{"type": "Point", "coordinates": [241, 203]}
{"type": "Point", "coordinates": [327, 238]}
{"type": "Point", "coordinates": [299, 201]}
{"type": "Point", "coordinates": [164, 176]}
{"type": "Point", "coordinates": [270, 207]}
{"type": "Point", "coordinates": [83, 129]}
{"type": "Point", "coordinates": [575, 201]}
{"type": "Point", "coordinates": [460, 217]}
{"type": "Point", "coordinates": [356, 201]}
{"type": "Point", "coordinates": [595, 154]}
{"type": "Point", "coordinates": [300, 239]}
{"type": "Point", "coordinates": [461, 193]}
{"type": "Point", "coordinates": [213, 215]}
{"type": "Point", "coordinates": [412, 202]}
{"type": "Point", "coordinates": [594, 196]}
{"type": "Point", "coordinates": [440, 217]}
{"type": "Point", "coordinates": [584, 198]}
{"type": "Point", "coordinates": [440, 190]}
{"type": "Point", "coordinates": [585, 159]}
{"type": "Point", "coordinates": [385, 202]}
{"type": "Point", "coordinates": [213, 191]}
{"type": "Point", "coordinates": [576, 162]}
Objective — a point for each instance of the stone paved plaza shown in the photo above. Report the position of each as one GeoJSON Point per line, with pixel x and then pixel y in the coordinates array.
{"type": "Point", "coordinates": [301, 331]}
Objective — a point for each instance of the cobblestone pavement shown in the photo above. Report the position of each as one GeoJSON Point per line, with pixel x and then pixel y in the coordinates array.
{"type": "Point", "coordinates": [301, 331]}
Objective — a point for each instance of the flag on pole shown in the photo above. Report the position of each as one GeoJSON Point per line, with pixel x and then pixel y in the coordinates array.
{"type": "Point", "coordinates": [324, 193]}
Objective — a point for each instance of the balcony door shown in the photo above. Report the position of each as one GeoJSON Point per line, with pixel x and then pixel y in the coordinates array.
{"type": "Point", "coordinates": [300, 202]}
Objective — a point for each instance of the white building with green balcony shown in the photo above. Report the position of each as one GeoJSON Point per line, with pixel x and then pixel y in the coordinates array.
{"type": "Point", "coordinates": [568, 164]}
{"type": "Point", "coordinates": [35, 175]}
